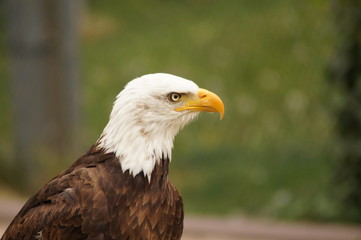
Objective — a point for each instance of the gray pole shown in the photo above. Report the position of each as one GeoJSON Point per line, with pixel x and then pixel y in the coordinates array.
{"type": "Point", "coordinates": [42, 49]}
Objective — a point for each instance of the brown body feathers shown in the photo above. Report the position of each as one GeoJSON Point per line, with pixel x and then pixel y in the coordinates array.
{"type": "Point", "coordinates": [95, 200]}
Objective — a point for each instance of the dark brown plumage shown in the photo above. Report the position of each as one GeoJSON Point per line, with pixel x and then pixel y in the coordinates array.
{"type": "Point", "coordinates": [95, 200]}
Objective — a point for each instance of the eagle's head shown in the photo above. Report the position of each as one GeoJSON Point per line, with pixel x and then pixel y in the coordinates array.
{"type": "Point", "coordinates": [147, 115]}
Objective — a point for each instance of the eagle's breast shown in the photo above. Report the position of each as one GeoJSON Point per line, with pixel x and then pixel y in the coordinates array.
{"type": "Point", "coordinates": [132, 207]}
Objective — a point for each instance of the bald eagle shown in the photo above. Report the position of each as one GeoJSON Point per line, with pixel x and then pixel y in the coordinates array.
{"type": "Point", "coordinates": [119, 189]}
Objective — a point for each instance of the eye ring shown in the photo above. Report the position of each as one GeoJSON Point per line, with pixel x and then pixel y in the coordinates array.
{"type": "Point", "coordinates": [174, 97]}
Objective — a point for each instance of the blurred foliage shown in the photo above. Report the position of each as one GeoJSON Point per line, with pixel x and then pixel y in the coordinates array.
{"type": "Point", "coordinates": [272, 153]}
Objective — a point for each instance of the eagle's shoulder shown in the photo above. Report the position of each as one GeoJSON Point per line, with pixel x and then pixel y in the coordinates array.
{"type": "Point", "coordinates": [63, 186]}
{"type": "Point", "coordinates": [63, 200]}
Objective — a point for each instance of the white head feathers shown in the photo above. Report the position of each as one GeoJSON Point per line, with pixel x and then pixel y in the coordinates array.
{"type": "Point", "coordinates": [144, 122]}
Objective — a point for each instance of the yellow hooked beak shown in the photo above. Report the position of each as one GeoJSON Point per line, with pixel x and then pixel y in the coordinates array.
{"type": "Point", "coordinates": [205, 101]}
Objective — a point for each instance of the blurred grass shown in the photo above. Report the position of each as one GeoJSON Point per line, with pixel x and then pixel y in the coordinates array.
{"type": "Point", "coordinates": [271, 155]}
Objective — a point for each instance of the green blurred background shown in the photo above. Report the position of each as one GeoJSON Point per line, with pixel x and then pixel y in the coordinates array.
{"type": "Point", "coordinates": [273, 155]}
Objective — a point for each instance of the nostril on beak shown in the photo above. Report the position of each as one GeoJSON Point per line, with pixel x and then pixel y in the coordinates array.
{"type": "Point", "coordinates": [202, 93]}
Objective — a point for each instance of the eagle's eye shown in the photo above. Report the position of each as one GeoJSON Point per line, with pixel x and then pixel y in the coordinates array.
{"type": "Point", "coordinates": [174, 97]}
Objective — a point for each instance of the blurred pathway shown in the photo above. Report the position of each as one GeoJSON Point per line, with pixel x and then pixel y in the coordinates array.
{"type": "Point", "coordinates": [231, 228]}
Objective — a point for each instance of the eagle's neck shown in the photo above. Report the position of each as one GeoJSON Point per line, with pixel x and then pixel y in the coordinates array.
{"type": "Point", "coordinates": [139, 143]}
{"type": "Point", "coordinates": [136, 151]}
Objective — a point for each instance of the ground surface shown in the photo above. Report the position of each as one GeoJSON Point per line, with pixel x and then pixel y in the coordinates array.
{"type": "Point", "coordinates": [231, 228]}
